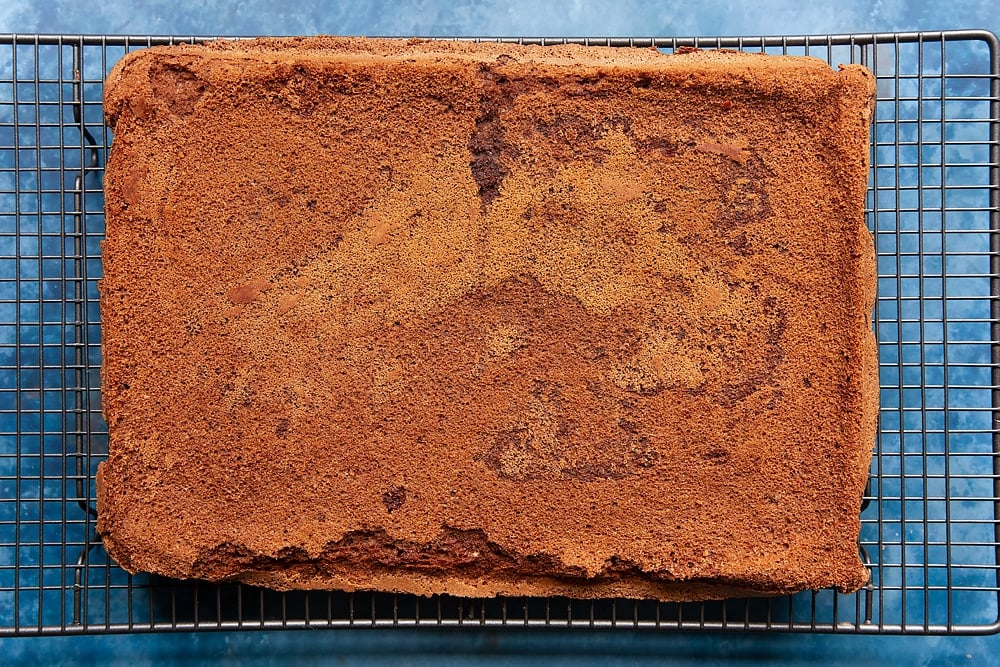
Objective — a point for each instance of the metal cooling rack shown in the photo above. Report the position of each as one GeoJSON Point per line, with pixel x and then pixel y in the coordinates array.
{"type": "Point", "coordinates": [931, 525]}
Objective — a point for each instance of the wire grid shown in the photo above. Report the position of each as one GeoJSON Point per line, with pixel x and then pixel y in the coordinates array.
{"type": "Point", "coordinates": [930, 528]}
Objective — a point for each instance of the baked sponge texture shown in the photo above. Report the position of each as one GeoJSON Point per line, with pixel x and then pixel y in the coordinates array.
{"type": "Point", "coordinates": [487, 319]}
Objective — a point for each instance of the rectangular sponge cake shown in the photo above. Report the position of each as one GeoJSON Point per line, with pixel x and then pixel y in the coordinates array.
{"type": "Point", "coordinates": [487, 319]}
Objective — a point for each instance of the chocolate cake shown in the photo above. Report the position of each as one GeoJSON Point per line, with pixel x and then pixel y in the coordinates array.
{"type": "Point", "coordinates": [487, 319]}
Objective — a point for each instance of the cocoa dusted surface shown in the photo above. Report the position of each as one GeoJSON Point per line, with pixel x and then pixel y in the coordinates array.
{"type": "Point", "coordinates": [437, 317]}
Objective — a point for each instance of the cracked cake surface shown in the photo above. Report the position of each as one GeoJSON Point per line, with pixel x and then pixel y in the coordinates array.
{"type": "Point", "coordinates": [487, 319]}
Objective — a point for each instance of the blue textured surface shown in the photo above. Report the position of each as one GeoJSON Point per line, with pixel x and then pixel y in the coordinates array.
{"type": "Point", "coordinates": [441, 17]}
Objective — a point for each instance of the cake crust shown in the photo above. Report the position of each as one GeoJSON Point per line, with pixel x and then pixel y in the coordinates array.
{"type": "Point", "coordinates": [487, 319]}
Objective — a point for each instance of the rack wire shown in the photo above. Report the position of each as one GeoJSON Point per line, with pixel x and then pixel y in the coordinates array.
{"type": "Point", "coordinates": [931, 524]}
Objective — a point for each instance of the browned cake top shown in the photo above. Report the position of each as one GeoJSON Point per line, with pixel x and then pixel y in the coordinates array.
{"type": "Point", "coordinates": [604, 308]}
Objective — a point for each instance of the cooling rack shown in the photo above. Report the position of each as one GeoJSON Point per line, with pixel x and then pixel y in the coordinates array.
{"type": "Point", "coordinates": [931, 521]}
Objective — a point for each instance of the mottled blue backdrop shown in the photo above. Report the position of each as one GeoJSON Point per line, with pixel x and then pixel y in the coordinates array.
{"type": "Point", "coordinates": [519, 17]}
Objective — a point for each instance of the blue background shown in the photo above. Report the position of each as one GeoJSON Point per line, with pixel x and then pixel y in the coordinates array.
{"type": "Point", "coordinates": [443, 18]}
